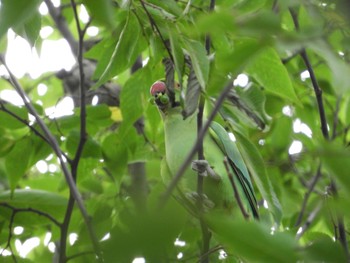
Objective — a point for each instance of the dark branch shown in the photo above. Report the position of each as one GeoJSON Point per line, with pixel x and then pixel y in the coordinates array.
{"type": "Point", "coordinates": [62, 26]}
{"type": "Point", "coordinates": [77, 157]}
{"type": "Point", "coordinates": [32, 210]}
{"type": "Point", "coordinates": [155, 27]}
{"type": "Point", "coordinates": [318, 93]}
{"type": "Point", "coordinates": [200, 178]}
{"type": "Point", "coordinates": [324, 128]}
{"type": "Point", "coordinates": [309, 221]}
{"type": "Point", "coordinates": [307, 195]}
{"type": "Point", "coordinates": [36, 132]}
{"type": "Point", "coordinates": [317, 89]}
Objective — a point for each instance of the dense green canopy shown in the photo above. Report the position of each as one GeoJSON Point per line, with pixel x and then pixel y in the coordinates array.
{"type": "Point", "coordinates": [81, 147]}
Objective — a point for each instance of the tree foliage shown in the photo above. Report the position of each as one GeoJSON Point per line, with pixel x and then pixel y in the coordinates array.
{"type": "Point", "coordinates": [101, 180]}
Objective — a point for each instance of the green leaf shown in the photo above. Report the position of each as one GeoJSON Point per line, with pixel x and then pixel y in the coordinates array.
{"type": "Point", "coordinates": [9, 120]}
{"type": "Point", "coordinates": [253, 241]}
{"type": "Point", "coordinates": [101, 11]}
{"type": "Point", "coordinates": [193, 92]}
{"type": "Point", "coordinates": [15, 13]}
{"type": "Point", "coordinates": [30, 29]}
{"type": "Point", "coordinates": [324, 250]}
{"type": "Point", "coordinates": [132, 237]}
{"type": "Point", "coordinates": [97, 118]}
{"type": "Point", "coordinates": [235, 60]}
{"type": "Point", "coordinates": [247, 106]}
{"type": "Point", "coordinates": [176, 51]}
{"type": "Point", "coordinates": [199, 60]}
{"type": "Point", "coordinates": [126, 50]}
{"type": "Point", "coordinates": [22, 197]}
{"type": "Point", "coordinates": [133, 94]}
{"type": "Point", "coordinates": [17, 161]}
{"type": "Point", "coordinates": [6, 144]}
{"type": "Point", "coordinates": [50, 202]}
{"type": "Point", "coordinates": [91, 149]}
{"type": "Point", "coordinates": [269, 72]}
{"type": "Point", "coordinates": [115, 153]}
{"type": "Point", "coordinates": [339, 68]}
{"type": "Point", "coordinates": [336, 160]}
{"type": "Point", "coordinates": [260, 176]}
{"type": "Point", "coordinates": [235, 160]}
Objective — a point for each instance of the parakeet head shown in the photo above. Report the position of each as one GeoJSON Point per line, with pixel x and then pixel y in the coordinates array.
{"type": "Point", "coordinates": [159, 93]}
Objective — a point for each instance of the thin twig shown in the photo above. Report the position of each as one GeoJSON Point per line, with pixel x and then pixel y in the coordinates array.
{"type": "Point", "coordinates": [25, 122]}
{"type": "Point", "coordinates": [307, 195]}
{"type": "Point", "coordinates": [32, 210]}
{"type": "Point", "coordinates": [62, 26]}
{"type": "Point", "coordinates": [318, 93]}
{"type": "Point", "coordinates": [309, 220]}
{"type": "Point", "coordinates": [8, 244]}
{"type": "Point", "coordinates": [77, 157]}
{"type": "Point", "coordinates": [206, 235]}
{"type": "Point", "coordinates": [155, 27]}
{"type": "Point", "coordinates": [211, 251]}
{"type": "Point", "coordinates": [235, 190]}
{"type": "Point", "coordinates": [316, 87]}
{"type": "Point", "coordinates": [324, 128]}
{"type": "Point", "coordinates": [194, 148]}
{"type": "Point", "coordinates": [79, 255]}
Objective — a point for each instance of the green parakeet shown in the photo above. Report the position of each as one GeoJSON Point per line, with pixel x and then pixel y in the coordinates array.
{"type": "Point", "coordinates": [180, 136]}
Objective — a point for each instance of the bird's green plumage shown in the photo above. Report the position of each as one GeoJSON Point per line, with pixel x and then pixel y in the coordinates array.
{"type": "Point", "coordinates": [180, 136]}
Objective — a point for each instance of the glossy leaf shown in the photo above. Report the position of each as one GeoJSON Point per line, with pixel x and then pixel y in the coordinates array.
{"type": "Point", "coordinates": [101, 11]}
{"type": "Point", "coordinates": [264, 246]}
{"type": "Point", "coordinates": [17, 161]}
{"type": "Point", "coordinates": [43, 200]}
{"type": "Point", "coordinates": [260, 175]}
{"type": "Point", "coordinates": [266, 65]}
{"type": "Point", "coordinates": [193, 92]}
{"type": "Point", "coordinates": [16, 13]}
{"type": "Point", "coordinates": [199, 61]}
{"type": "Point", "coordinates": [126, 50]}
{"type": "Point", "coordinates": [12, 117]}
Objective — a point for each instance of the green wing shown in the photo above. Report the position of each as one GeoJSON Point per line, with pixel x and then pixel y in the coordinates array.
{"type": "Point", "coordinates": [239, 169]}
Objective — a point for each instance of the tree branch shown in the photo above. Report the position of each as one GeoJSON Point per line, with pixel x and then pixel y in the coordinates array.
{"type": "Point", "coordinates": [78, 154]}
{"type": "Point", "coordinates": [155, 27]}
{"type": "Point", "coordinates": [206, 235]}
{"type": "Point", "coordinates": [324, 128]}
{"type": "Point", "coordinates": [36, 132]}
{"type": "Point", "coordinates": [307, 195]}
{"type": "Point", "coordinates": [62, 26]}
{"type": "Point", "coordinates": [32, 210]}
{"type": "Point", "coordinates": [8, 244]}
{"type": "Point", "coordinates": [317, 89]}
{"type": "Point", "coordinates": [53, 142]}
{"type": "Point", "coordinates": [309, 220]}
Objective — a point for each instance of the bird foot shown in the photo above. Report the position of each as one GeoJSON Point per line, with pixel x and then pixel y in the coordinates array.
{"type": "Point", "coordinates": [195, 198]}
{"type": "Point", "coordinates": [204, 169]}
